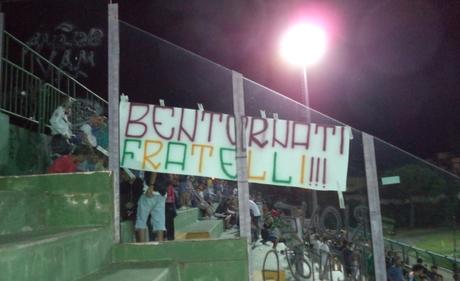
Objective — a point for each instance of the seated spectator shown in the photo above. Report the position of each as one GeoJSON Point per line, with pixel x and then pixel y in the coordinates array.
{"type": "Point", "coordinates": [269, 231]}
{"type": "Point", "coordinates": [420, 262]}
{"type": "Point", "coordinates": [395, 272]}
{"type": "Point", "coordinates": [100, 131]}
{"type": "Point", "coordinates": [59, 121]}
{"type": "Point", "coordinates": [69, 163]}
{"type": "Point", "coordinates": [224, 210]}
{"type": "Point", "coordinates": [416, 273]}
{"type": "Point", "coordinates": [130, 192]}
{"type": "Point", "coordinates": [433, 274]}
{"type": "Point", "coordinates": [184, 191]}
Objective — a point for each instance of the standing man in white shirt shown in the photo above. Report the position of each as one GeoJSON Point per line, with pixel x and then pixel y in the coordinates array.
{"type": "Point", "coordinates": [255, 219]}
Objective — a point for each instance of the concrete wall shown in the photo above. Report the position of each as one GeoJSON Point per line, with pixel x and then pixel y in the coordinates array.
{"type": "Point", "coordinates": [55, 227]}
{"type": "Point", "coordinates": [23, 151]}
{"type": "Point", "coordinates": [213, 260]}
{"type": "Point", "coordinates": [4, 139]}
{"type": "Point", "coordinates": [34, 202]}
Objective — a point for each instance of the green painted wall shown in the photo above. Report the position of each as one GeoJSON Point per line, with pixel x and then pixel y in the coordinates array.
{"type": "Point", "coordinates": [55, 227]}
{"type": "Point", "coordinates": [21, 211]}
{"type": "Point", "coordinates": [4, 139]}
{"type": "Point", "coordinates": [23, 151]}
{"type": "Point", "coordinates": [186, 217]}
{"type": "Point", "coordinates": [213, 260]}
{"type": "Point", "coordinates": [34, 202]}
{"type": "Point", "coordinates": [64, 258]}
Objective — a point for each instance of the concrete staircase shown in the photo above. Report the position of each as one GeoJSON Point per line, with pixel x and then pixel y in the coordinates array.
{"type": "Point", "coordinates": [54, 227]}
{"type": "Point", "coordinates": [60, 227]}
{"type": "Point", "coordinates": [188, 225]}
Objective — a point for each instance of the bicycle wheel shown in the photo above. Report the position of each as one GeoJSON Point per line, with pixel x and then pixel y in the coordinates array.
{"type": "Point", "coordinates": [299, 267]}
{"type": "Point", "coordinates": [277, 265]}
{"type": "Point", "coordinates": [330, 221]}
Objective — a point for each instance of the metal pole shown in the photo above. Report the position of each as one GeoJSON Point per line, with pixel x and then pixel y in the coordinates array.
{"type": "Point", "coordinates": [241, 163]}
{"type": "Point", "coordinates": [454, 218]}
{"type": "Point", "coordinates": [306, 96]}
{"type": "Point", "coordinates": [2, 29]}
{"type": "Point", "coordinates": [374, 207]}
{"type": "Point", "coordinates": [114, 99]}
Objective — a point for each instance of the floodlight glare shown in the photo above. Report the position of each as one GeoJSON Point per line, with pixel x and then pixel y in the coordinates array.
{"type": "Point", "coordinates": [304, 44]}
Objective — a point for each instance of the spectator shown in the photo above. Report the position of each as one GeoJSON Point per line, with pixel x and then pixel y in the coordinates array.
{"type": "Point", "coordinates": [420, 262]}
{"type": "Point", "coordinates": [433, 273]}
{"type": "Point", "coordinates": [347, 256]}
{"type": "Point", "coordinates": [184, 191]}
{"type": "Point", "coordinates": [324, 252]}
{"type": "Point", "coordinates": [269, 232]}
{"type": "Point", "coordinates": [99, 130]}
{"type": "Point", "coordinates": [224, 211]}
{"type": "Point", "coordinates": [130, 192]}
{"type": "Point", "coordinates": [255, 220]}
{"type": "Point", "coordinates": [59, 121]}
{"type": "Point", "coordinates": [170, 211]}
{"type": "Point", "coordinates": [152, 202]}
{"type": "Point", "coordinates": [315, 243]}
{"type": "Point", "coordinates": [395, 272]}
{"type": "Point", "coordinates": [417, 272]}
{"type": "Point", "coordinates": [68, 163]}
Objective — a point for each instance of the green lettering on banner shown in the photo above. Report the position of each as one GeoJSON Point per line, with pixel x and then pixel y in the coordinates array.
{"type": "Point", "coordinates": [180, 163]}
{"type": "Point", "coordinates": [131, 154]}
{"type": "Point", "coordinates": [224, 164]}
{"type": "Point", "coordinates": [274, 179]}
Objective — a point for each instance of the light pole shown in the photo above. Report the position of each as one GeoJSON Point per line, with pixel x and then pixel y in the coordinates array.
{"type": "Point", "coordinates": [303, 45]}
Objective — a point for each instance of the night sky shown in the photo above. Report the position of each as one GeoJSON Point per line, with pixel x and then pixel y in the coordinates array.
{"type": "Point", "coordinates": [392, 68]}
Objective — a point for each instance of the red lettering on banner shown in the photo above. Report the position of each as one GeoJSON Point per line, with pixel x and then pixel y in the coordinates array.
{"type": "Point", "coordinates": [230, 120]}
{"type": "Point", "coordinates": [307, 141]}
{"type": "Point", "coordinates": [317, 170]}
{"type": "Point", "coordinates": [286, 135]}
{"type": "Point", "coordinates": [191, 137]}
{"type": "Point", "coordinates": [157, 123]}
{"type": "Point", "coordinates": [324, 172]}
{"type": "Point", "coordinates": [325, 133]}
{"type": "Point", "coordinates": [312, 165]}
{"type": "Point", "coordinates": [211, 119]}
{"type": "Point", "coordinates": [136, 121]}
{"type": "Point", "coordinates": [342, 130]}
{"type": "Point", "coordinates": [253, 133]}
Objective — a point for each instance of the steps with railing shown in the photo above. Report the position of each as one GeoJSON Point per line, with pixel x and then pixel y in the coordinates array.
{"type": "Point", "coordinates": [31, 86]}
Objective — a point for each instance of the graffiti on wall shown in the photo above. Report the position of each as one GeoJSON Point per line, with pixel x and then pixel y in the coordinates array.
{"type": "Point", "coordinates": [68, 47]}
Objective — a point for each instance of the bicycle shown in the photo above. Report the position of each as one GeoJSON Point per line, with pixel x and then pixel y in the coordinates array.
{"type": "Point", "coordinates": [272, 251]}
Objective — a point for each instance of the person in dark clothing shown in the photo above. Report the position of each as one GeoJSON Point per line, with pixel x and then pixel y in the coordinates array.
{"type": "Point", "coordinates": [130, 192]}
{"type": "Point", "coordinates": [347, 255]}
{"type": "Point", "coordinates": [170, 211]}
{"type": "Point", "coordinates": [152, 204]}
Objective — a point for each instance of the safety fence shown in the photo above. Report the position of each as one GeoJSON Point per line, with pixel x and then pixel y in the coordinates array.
{"type": "Point", "coordinates": [410, 254]}
{"type": "Point", "coordinates": [29, 92]}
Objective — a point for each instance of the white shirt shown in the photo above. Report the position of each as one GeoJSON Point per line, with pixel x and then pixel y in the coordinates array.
{"type": "Point", "coordinates": [254, 208]}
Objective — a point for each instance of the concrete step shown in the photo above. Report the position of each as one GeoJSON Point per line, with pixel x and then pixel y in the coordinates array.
{"type": "Point", "coordinates": [21, 211]}
{"type": "Point", "coordinates": [203, 229]}
{"type": "Point", "coordinates": [63, 254]}
{"type": "Point", "coordinates": [185, 217]}
{"type": "Point", "coordinates": [132, 272]}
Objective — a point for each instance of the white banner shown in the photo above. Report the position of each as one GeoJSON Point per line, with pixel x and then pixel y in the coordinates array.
{"type": "Point", "coordinates": [202, 143]}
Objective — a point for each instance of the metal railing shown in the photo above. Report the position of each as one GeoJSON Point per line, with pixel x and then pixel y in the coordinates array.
{"type": "Point", "coordinates": [20, 90]}
{"type": "Point", "coordinates": [32, 86]}
{"type": "Point", "coordinates": [410, 254]}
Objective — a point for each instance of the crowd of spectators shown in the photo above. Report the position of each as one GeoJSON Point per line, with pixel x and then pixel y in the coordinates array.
{"type": "Point", "coordinates": [398, 270]}
{"type": "Point", "coordinates": [151, 201]}
{"type": "Point", "coordinates": [77, 147]}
